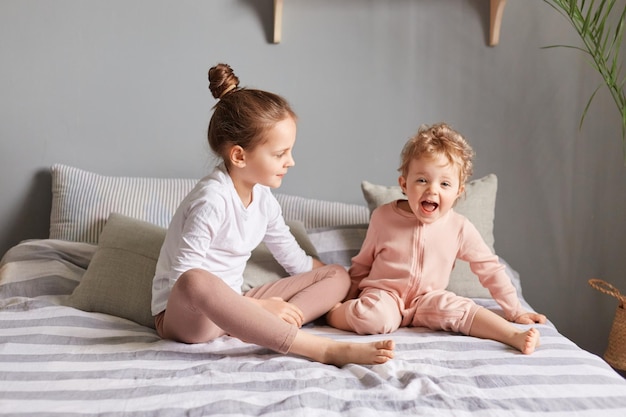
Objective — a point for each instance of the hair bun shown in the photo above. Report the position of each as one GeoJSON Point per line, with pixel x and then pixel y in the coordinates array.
{"type": "Point", "coordinates": [222, 80]}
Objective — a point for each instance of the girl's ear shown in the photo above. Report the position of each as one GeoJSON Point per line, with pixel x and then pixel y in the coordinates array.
{"type": "Point", "coordinates": [237, 156]}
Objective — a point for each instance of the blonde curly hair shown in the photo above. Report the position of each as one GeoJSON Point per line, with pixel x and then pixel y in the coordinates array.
{"type": "Point", "coordinates": [439, 139]}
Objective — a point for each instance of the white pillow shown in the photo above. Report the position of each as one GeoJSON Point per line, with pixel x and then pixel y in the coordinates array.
{"type": "Point", "coordinates": [82, 201]}
{"type": "Point", "coordinates": [478, 205]}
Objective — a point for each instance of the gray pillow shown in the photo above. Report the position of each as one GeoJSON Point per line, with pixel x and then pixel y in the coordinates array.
{"type": "Point", "coordinates": [118, 280]}
{"type": "Point", "coordinates": [263, 268]}
{"type": "Point", "coordinates": [478, 205]}
{"type": "Point", "coordinates": [338, 244]}
{"type": "Point", "coordinates": [42, 267]}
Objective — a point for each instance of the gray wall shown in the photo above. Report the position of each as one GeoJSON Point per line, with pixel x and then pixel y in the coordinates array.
{"type": "Point", "coordinates": [119, 87]}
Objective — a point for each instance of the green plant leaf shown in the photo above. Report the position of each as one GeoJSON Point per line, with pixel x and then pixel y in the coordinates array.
{"type": "Point", "coordinates": [592, 21]}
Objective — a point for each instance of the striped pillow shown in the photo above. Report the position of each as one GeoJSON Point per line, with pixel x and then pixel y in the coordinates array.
{"type": "Point", "coordinates": [321, 213]}
{"type": "Point", "coordinates": [82, 201]}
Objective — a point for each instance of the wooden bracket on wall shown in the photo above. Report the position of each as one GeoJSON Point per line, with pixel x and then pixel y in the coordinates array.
{"type": "Point", "coordinates": [278, 20]}
{"type": "Point", "coordinates": [495, 20]}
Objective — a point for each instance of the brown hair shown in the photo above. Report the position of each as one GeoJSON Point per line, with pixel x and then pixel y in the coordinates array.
{"type": "Point", "coordinates": [241, 116]}
{"type": "Point", "coordinates": [439, 139]}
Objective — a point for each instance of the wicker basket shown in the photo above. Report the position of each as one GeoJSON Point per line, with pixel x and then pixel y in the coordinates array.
{"type": "Point", "coordinates": [615, 353]}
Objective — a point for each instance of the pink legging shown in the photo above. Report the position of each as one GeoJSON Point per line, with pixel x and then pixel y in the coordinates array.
{"type": "Point", "coordinates": [377, 311]}
{"type": "Point", "coordinates": [201, 307]}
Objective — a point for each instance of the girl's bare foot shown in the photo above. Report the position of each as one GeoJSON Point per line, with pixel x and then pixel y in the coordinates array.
{"type": "Point", "coordinates": [527, 341]}
{"type": "Point", "coordinates": [332, 352]}
{"type": "Point", "coordinates": [373, 353]}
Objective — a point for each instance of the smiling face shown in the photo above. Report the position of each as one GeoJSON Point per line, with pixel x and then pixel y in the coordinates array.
{"type": "Point", "coordinates": [266, 163]}
{"type": "Point", "coordinates": [432, 186]}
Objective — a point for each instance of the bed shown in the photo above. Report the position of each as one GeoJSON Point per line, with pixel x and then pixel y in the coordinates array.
{"type": "Point", "coordinates": [76, 336]}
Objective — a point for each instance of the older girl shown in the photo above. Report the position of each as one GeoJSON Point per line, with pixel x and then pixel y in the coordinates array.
{"type": "Point", "coordinates": [196, 293]}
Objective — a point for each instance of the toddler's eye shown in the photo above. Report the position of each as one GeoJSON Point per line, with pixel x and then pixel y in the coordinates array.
{"type": "Point", "coordinates": [421, 181]}
{"type": "Point", "coordinates": [446, 184]}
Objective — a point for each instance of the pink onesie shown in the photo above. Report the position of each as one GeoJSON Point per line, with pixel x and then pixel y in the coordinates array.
{"type": "Point", "coordinates": [404, 267]}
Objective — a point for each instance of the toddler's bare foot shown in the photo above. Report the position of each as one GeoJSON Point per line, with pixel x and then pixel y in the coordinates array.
{"type": "Point", "coordinates": [528, 341]}
{"type": "Point", "coordinates": [343, 353]}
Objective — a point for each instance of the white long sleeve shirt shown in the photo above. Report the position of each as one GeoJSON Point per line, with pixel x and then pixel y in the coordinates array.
{"type": "Point", "coordinates": [212, 230]}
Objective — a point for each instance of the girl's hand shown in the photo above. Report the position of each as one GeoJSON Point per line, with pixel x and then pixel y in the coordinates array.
{"type": "Point", "coordinates": [530, 318]}
{"type": "Point", "coordinates": [317, 263]}
{"type": "Point", "coordinates": [281, 308]}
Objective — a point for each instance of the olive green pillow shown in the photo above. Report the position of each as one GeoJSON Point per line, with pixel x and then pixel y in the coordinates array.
{"type": "Point", "coordinates": [118, 280]}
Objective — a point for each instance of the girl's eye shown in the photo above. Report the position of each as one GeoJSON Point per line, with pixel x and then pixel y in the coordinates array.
{"type": "Point", "coordinates": [421, 181]}
{"type": "Point", "coordinates": [446, 184]}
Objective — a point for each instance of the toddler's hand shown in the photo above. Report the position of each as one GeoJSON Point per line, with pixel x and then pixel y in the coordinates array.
{"type": "Point", "coordinates": [530, 318]}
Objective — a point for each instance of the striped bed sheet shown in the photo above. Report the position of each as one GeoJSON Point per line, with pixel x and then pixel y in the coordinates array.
{"type": "Point", "coordinates": [59, 361]}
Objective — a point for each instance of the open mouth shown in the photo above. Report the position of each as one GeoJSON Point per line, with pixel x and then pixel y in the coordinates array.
{"type": "Point", "coordinates": [429, 206]}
